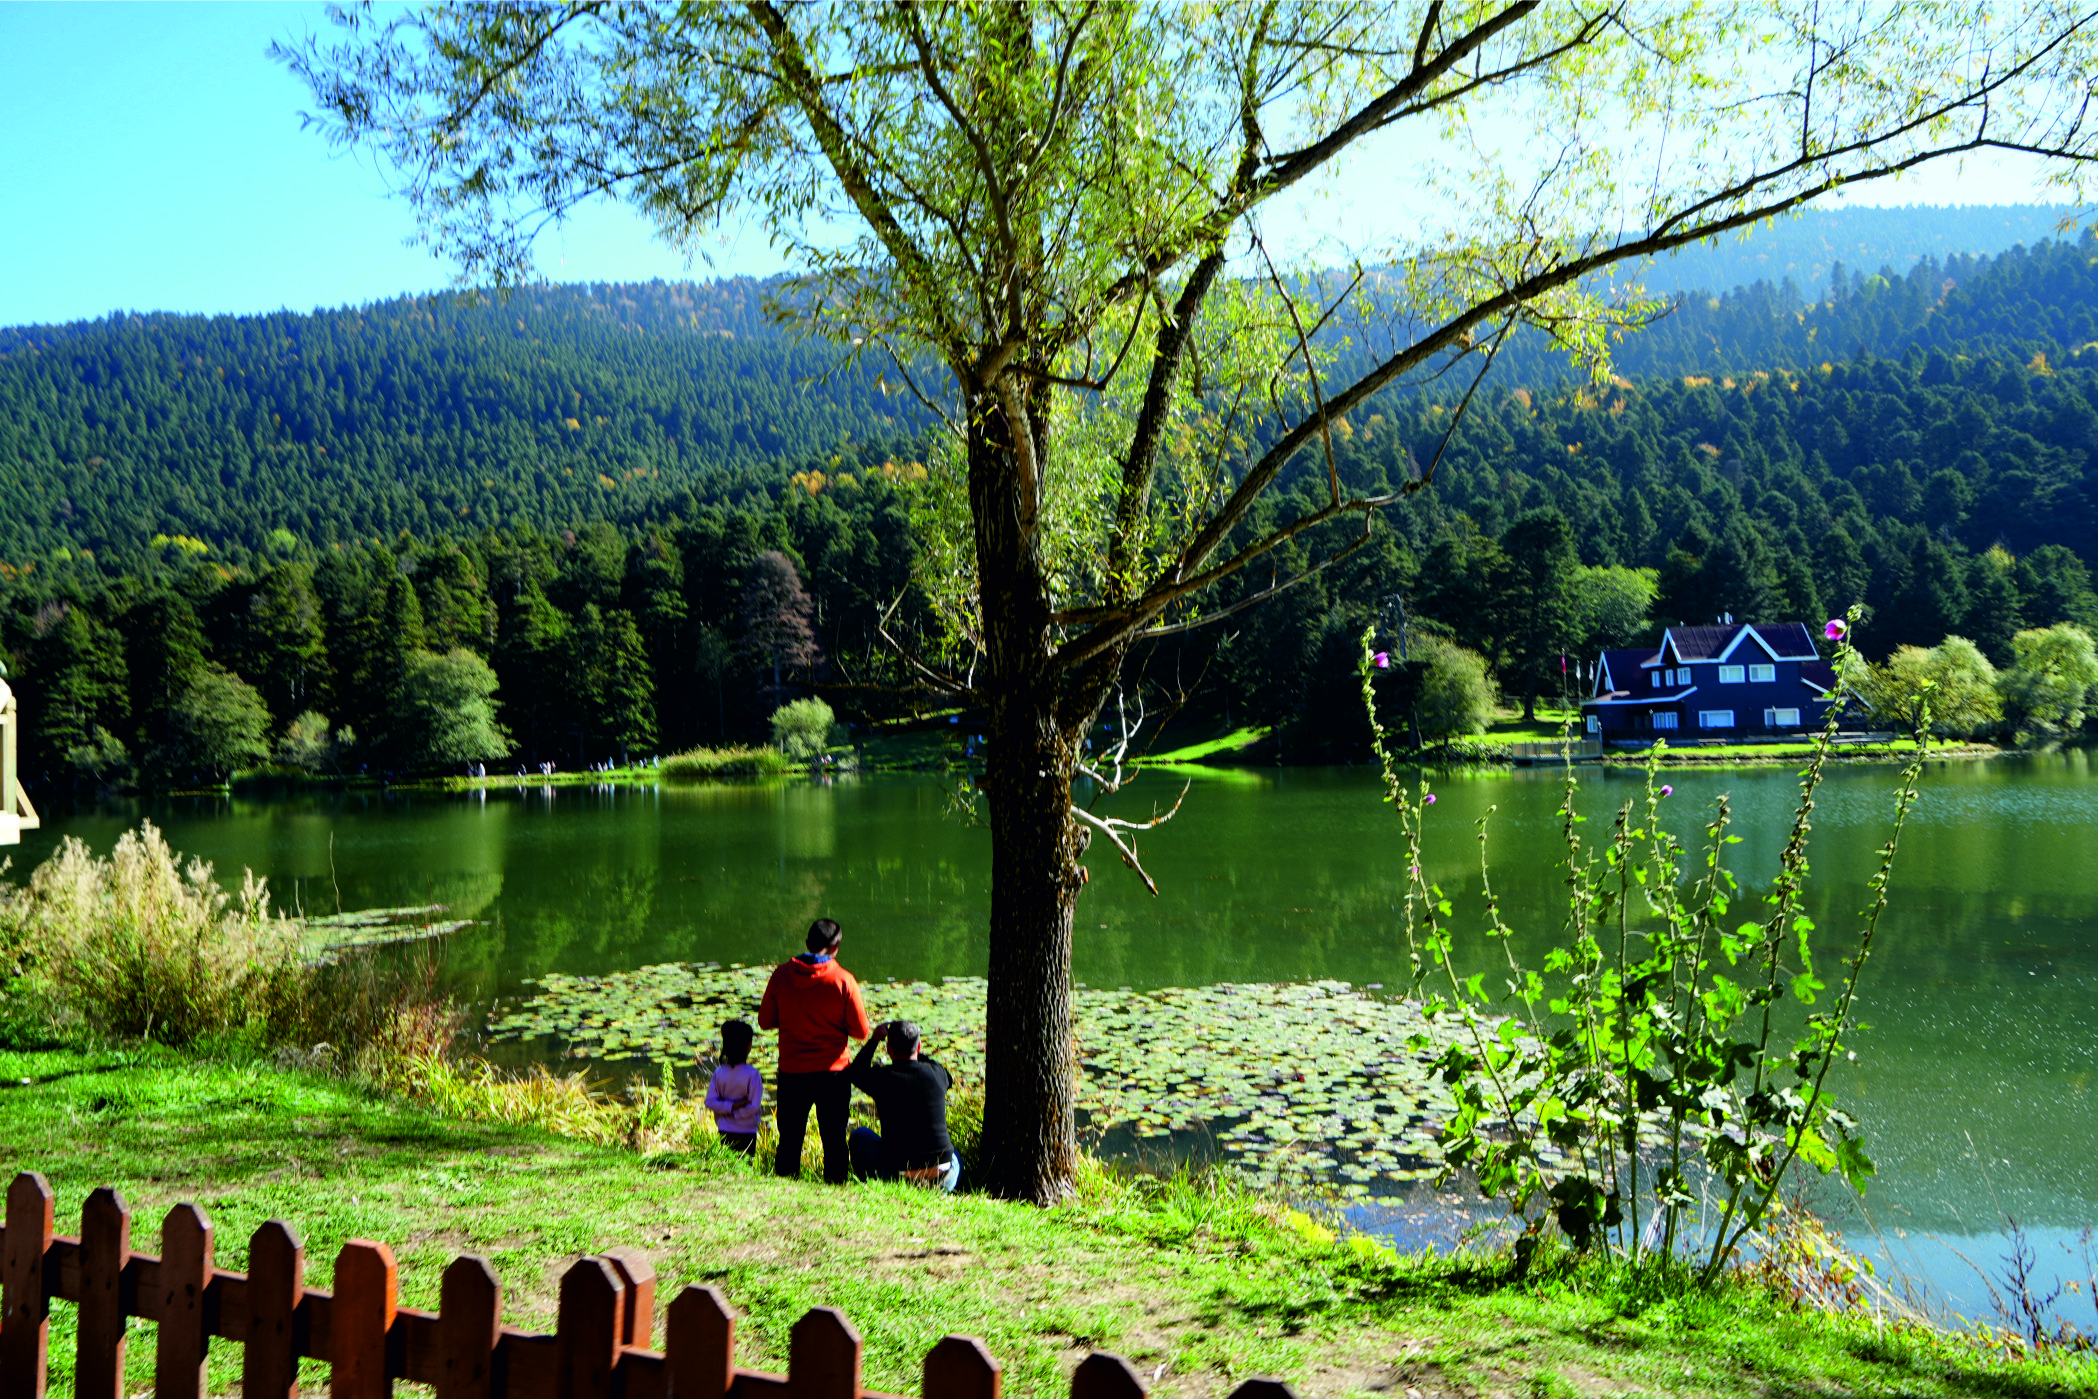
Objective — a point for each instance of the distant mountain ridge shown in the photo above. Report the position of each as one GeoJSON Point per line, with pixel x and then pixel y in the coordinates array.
{"type": "Point", "coordinates": [559, 405]}
{"type": "Point", "coordinates": [1805, 250]}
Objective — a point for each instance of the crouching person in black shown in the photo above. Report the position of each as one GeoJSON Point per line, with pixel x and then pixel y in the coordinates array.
{"type": "Point", "coordinates": [910, 1093]}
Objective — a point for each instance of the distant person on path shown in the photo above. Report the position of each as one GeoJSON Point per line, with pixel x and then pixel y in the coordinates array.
{"type": "Point", "coordinates": [815, 1005]}
{"type": "Point", "coordinates": [910, 1093]}
{"type": "Point", "coordinates": [736, 1093]}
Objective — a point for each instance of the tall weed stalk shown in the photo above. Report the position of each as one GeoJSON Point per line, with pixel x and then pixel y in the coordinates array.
{"type": "Point", "coordinates": [1652, 1039]}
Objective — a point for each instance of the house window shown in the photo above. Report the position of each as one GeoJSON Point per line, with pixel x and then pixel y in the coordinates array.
{"type": "Point", "coordinates": [1731, 674]}
{"type": "Point", "coordinates": [1780, 718]}
{"type": "Point", "coordinates": [1660, 678]}
{"type": "Point", "coordinates": [1762, 674]}
{"type": "Point", "coordinates": [1664, 721]}
{"type": "Point", "coordinates": [1715, 718]}
{"type": "Point", "coordinates": [1595, 724]}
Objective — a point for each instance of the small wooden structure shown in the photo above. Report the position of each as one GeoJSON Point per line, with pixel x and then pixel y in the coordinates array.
{"type": "Point", "coordinates": [599, 1348]}
{"type": "Point", "coordinates": [16, 814]}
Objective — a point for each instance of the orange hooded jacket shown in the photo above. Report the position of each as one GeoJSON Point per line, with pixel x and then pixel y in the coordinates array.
{"type": "Point", "coordinates": [815, 1006]}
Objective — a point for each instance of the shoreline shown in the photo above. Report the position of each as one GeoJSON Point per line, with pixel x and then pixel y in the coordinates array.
{"type": "Point", "coordinates": [1743, 755]}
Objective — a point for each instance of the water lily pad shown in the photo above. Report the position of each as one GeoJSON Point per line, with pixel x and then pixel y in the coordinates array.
{"type": "Point", "coordinates": [1313, 1081]}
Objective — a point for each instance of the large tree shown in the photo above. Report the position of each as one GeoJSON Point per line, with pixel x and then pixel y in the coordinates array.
{"type": "Point", "coordinates": [1064, 208]}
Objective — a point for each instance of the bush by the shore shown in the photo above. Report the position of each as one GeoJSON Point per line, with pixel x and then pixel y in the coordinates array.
{"type": "Point", "coordinates": [708, 764]}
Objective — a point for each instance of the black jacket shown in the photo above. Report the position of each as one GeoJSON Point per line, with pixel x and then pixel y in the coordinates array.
{"type": "Point", "coordinates": [912, 1100]}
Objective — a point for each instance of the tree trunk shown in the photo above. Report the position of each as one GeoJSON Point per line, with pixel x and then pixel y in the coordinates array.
{"type": "Point", "coordinates": [1030, 1142]}
{"type": "Point", "coordinates": [1029, 1147]}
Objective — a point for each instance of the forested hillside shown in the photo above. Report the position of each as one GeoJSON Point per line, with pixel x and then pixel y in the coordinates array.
{"type": "Point", "coordinates": [602, 509]}
{"type": "Point", "coordinates": [434, 415]}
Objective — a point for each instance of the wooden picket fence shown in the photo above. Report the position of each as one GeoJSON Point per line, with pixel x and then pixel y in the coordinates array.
{"type": "Point", "coordinates": [599, 1348]}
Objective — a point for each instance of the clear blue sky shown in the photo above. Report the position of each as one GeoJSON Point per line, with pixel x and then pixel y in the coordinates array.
{"type": "Point", "coordinates": [151, 159]}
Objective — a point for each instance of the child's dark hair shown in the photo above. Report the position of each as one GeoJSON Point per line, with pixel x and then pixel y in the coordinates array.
{"type": "Point", "coordinates": [735, 1042]}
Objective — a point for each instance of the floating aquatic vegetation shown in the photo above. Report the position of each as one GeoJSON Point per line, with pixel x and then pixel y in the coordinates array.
{"type": "Point", "coordinates": [1314, 1082]}
{"type": "Point", "coordinates": [324, 937]}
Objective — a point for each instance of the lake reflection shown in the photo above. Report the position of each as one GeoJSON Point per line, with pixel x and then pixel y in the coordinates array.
{"type": "Point", "coordinates": [1975, 1082]}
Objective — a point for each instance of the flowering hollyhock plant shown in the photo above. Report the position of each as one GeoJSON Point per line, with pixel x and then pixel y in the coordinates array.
{"type": "Point", "coordinates": [1668, 791]}
{"type": "Point", "coordinates": [1835, 629]}
{"type": "Point", "coordinates": [1382, 660]}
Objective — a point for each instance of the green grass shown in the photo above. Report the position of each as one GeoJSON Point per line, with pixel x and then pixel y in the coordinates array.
{"type": "Point", "coordinates": [708, 764]}
{"type": "Point", "coordinates": [1197, 752]}
{"type": "Point", "coordinates": [1199, 1285]}
{"type": "Point", "coordinates": [1509, 726]}
{"type": "Point", "coordinates": [1793, 750]}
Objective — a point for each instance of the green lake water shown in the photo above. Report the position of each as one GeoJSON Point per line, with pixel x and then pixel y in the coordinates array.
{"type": "Point", "coordinates": [1976, 1083]}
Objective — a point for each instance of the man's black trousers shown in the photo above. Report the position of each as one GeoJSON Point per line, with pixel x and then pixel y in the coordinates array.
{"type": "Point", "coordinates": [830, 1094]}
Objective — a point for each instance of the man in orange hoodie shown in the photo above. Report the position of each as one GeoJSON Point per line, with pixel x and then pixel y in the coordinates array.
{"type": "Point", "coordinates": [815, 1005]}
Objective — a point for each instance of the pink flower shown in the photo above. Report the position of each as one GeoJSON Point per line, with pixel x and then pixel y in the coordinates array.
{"type": "Point", "coordinates": [1668, 791]}
{"type": "Point", "coordinates": [1835, 629]}
{"type": "Point", "coordinates": [1428, 800]}
{"type": "Point", "coordinates": [1382, 660]}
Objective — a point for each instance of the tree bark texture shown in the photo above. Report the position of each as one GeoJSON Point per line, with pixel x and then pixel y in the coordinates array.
{"type": "Point", "coordinates": [1036, 719]}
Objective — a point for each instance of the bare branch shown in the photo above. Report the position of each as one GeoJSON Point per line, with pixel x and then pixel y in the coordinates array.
{"type": "Point", "coordinates": [1113, 827]}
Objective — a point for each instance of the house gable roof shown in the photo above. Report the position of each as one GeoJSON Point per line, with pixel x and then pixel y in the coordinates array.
{"type": "Point", "coordinates": [1699, 643]}
{"type": "Point", "coordinates": [1784, 641]}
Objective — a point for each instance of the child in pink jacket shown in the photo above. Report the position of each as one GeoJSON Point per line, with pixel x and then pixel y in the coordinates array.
{"type": "Point", "coordinates": [736, 1093]}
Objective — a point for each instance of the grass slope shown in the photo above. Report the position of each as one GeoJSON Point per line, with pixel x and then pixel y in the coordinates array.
{"type": "Point", "coordinates": [1199, 1288]}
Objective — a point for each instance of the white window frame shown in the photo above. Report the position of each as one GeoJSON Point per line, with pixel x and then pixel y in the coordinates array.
{"type": "Point", "coordinates": [1715, 718]}
{"type": "Point", "coordinates": [1665, 721]}
{"type": "Point", "coordinates": [1775, 719]}
{"type": "Point", "coordinates": [1762, 674]}
{"type": "Point", "coordinates": [1733, 675]}
{"type": "Point", "coordinates": [1661, 679]}
{"type": "Point", "coordinates": [1595, 723]}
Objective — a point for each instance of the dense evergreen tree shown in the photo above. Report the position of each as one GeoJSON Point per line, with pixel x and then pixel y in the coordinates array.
{"type": "Point", "coordinates": [1535, 598]}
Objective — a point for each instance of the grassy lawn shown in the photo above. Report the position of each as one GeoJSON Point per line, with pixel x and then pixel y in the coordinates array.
{"type": "Point", "coordinates": [1198, 1289]}
{"type": "Point", "coordinates": [1211, 749]}
{"type": "Point", "coordinates": [1509, 726]}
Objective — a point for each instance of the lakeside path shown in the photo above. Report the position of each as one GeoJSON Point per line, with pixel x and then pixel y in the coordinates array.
{"type": "Point", "coordinates": [1200, 1289]}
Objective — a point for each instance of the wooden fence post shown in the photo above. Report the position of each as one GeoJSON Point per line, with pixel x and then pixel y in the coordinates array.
{"type": "Point", "coordinates": [961, 1367]}
{"type": "Point", "coordinates": [469, 1320]}
{"type": "Point", "coordinates": [587, 1334]}
{"type": "Point", "coordinates": [639, 1275]}
{"type": "Point", "coordinates": [98, 1343]}
{"type": "Point", "coordinates": [699, 1344]}
{"type": "Point", "coordinates": [367, 1295]}
{"type": "Point", "coordinates": [1262, 1388]}
{"type": "Point", "coordinates": [183, 1337]}
{"type": "Point", "coordinates": [823, 1356]}
{"type": "Point", "coordinates": [1105, 1375]}
{"type": "Point", "coordinates": [269, 1362]}
{"type": "Point", "coordinates": [25, 1333]}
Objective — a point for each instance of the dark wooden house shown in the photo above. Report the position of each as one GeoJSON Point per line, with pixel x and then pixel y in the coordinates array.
{"type": "Point", "coordinates": [1709, 683]}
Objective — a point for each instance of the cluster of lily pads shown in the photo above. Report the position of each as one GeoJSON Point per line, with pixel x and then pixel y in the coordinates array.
{"type": "Point", "coordinates": [324, 937]}
{"type": "Point", "coordinates": [1316, 1083]}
